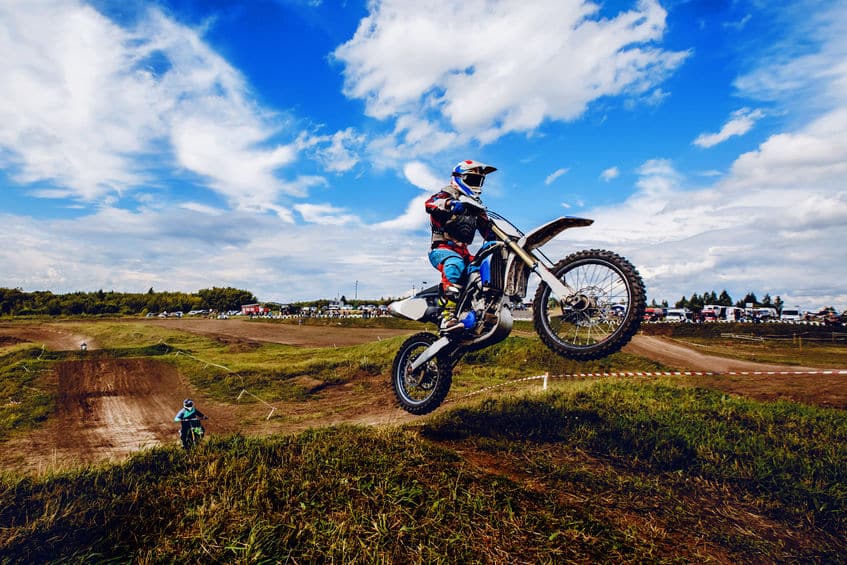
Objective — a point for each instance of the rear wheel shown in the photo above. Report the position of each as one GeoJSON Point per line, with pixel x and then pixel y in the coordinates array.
{"type": "Point", "coordinates": [420, 391]}
{"type": "Point", "coordinates": [603, 312]}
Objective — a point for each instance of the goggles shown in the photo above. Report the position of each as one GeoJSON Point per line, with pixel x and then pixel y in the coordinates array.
{"type": "Point", "coordinates": [474, 180]}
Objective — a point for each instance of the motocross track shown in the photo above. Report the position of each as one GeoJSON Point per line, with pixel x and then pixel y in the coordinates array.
{"type": "Point", "coordinates": [109, 408]}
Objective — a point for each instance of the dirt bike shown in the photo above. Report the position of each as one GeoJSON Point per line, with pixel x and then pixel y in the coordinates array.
{"type": "Point", "coordinates": [587, 306]}
{"type": "Point", "coordinates": [194, 432]}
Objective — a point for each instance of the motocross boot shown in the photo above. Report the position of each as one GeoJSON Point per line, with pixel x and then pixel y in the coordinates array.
{"type": "Point", "coordinates": [449, 321]}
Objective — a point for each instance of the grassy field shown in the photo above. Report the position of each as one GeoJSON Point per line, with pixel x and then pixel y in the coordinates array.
{"type": "Point", "coordinates": [603, 471]}
{"type": "Point", "coordinates": [606, 472]}
{"type": "Point", "coordinates": [784, 344]}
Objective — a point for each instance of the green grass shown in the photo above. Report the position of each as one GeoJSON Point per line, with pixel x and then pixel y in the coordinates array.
{"type": "Point", "coordinates": [608, 473]}
{"type": "Point", "coordinates": [783, 344]}
{"type": "Point", "coordinates": [25, 401]}
{"type": "Point", "coordinates": [273, 371]}
{"type": "Point", "coordinates": [603, 471]}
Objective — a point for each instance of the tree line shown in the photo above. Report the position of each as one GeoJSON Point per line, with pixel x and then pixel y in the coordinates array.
{"type": "Point", "coordinates": [697, 301]}
{"type": "Point", "coordinates": [15, 302]}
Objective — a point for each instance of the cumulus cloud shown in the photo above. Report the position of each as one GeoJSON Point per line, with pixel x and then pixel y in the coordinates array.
{"type": "Point", "coordinates": [414, 217]}
{"type": "Point", "coordinates": [421, 176]}
{"type": "Point", "coordinates": [777, 216]}
{"type": "Point", "coordinates": [91, 109]}
{"type": "Point", "coordinates": [739, 123]}
{"type": "Point", "coordinates": [484, 68]}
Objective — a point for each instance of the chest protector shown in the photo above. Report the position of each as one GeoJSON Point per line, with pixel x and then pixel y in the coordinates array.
{"type": "Point", "coordinates": [461, 227]}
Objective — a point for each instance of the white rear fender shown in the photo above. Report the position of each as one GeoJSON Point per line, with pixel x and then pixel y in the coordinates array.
{"type": "Point", "coordinates": [410, 308]}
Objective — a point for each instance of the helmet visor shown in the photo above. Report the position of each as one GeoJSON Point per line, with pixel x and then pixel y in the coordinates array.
{"type": "Point", "coordinates": [473, 180]}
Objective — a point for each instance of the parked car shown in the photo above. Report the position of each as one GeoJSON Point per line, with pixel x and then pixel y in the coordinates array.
{"type": "Point", "coordinates": [791, 315]}
{"type": "Point", "coordinates": [708, 316]}
{"type": "Point", "coordinates": [653, 314]}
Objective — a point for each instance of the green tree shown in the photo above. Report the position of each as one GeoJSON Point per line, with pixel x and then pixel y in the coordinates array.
{"type": "Point", "coordinates": [750, 298]}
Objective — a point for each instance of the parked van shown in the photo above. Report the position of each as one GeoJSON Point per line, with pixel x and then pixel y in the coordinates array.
{"type": "Point", "coordinates": [792, 315]}
{"type": "Point", "coordinates": [766, 314]}
{"type": "Point", "coordinates": [678, 315]}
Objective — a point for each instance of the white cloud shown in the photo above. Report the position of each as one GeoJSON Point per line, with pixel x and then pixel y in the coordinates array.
{"type": "Point", "coordinates": [740, 24]}
{"type": "Point", "coordinates": [325, 214]}
{"type": "Point", "coordinates": [415, 216]}
{"type": "Point", "coordinates": [610, 173]}
{"type": "Point", "coordinates": [739, 123]}
{"type": "Point", "coordinates": [768, 226]}
{"type": "Point", "coordinates": [202, 208]}
{"type": "Point", "coordinates": [551, 178]}
{"type": "Point", "coordinates": [807, 70]}
{"type": "Point", "coordinates": [338, 152]}
{"type": "Point", "coordinates": [484, 68]}
{"type": "Point", "coordinates": [177, 248]}
{"type": "Point", "coordinates": [422, 177]}
{"type": "Point", "coordinates": [87, 107]}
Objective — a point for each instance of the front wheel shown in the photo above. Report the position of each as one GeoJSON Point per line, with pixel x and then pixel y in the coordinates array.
{"type": "Point", "coordinates": [600, 316]}
{"type": "Point", "coordinates": [423, 390]}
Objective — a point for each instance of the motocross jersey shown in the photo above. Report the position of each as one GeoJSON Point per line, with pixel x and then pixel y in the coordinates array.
{"type": "Point", "coordinates": [454, 230]}
{"type": "Point", "coordinates": [185, 414]}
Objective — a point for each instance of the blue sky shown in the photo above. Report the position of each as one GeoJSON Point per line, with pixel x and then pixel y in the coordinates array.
{"type": "Point", "coordinates": [286, 146]}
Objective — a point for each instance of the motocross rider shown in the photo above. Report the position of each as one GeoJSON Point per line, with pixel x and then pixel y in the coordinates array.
{"type": "Point", "coordinates": [454, 226]}
{"type": "Point", "coordinates": [189, 417]}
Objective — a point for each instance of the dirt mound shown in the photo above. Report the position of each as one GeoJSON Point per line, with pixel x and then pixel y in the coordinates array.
{"type": "Point", "coordinates": [105, 410]}
{"type": "Point", "coordinates": [116, 406]}
{"type": "Point", "coordinates": [51, 336]}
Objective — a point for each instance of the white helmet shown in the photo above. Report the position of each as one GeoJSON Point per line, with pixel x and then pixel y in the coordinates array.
{"type": "Point", "coordinates": [468, 177]}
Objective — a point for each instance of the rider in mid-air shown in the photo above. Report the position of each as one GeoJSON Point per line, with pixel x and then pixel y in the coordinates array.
{"type": "Point", "coordinates": [454, 226]}
{"type": "Point", "coordinates": [189, 417]}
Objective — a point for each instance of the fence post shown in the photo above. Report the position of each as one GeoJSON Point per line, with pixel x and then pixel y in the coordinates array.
{"type": "Point", "coordinates": [546, 374]}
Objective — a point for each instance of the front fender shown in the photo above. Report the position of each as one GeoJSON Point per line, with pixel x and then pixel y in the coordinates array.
{"type": "Point", "coordinates": [544, 233]}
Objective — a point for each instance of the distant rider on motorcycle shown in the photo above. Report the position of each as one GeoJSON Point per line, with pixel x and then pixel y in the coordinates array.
{"type": "Point", "coordinates": [189, 417]}
{"type": "Point", "coordinates": [454, 226]}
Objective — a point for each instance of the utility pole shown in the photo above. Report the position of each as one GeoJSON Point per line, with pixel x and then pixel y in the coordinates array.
{"type": "Point", "coordinates": [356, 290]}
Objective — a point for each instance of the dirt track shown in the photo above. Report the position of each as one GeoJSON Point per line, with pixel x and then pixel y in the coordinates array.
{"type": "Point", "coordinates": [679, 356]}
{"type": "Point", "coordinates": [108, 408]}
{"type": "Point", "coordinates": [287, 334]}
{"type": "Point", "coordinates": [51, 336]}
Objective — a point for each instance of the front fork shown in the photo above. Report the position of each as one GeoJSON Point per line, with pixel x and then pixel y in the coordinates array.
{"type": "Point", "coordinates": [559, 290]}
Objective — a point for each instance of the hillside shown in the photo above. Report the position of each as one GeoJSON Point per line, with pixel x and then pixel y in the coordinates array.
{"type": "Point", "coordinates": [607, 472]}
{"type": "Point", "coordinates": [620, 470]}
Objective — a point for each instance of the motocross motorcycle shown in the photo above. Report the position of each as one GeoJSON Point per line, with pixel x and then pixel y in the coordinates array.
{"type": "Point", "coordinates": [194, 432]}
{"type": "Point", "coordinates": [586, 306]}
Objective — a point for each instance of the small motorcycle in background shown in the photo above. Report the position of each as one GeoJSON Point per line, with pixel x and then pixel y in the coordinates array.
{"type": "Point", "coordinates": [587, 306]}
{"type": "Point", "coordinates": [192, 433]}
